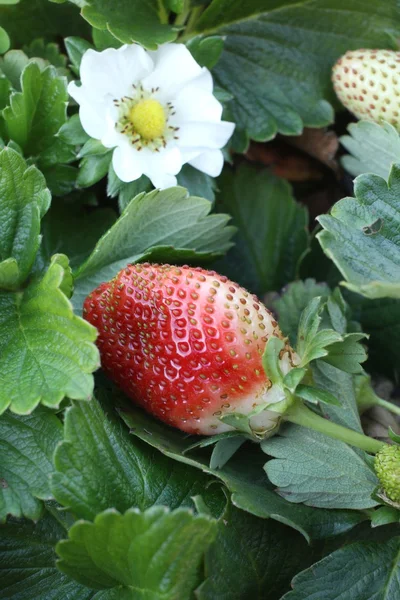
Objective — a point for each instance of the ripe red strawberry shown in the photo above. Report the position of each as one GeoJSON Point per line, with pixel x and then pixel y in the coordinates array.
{"type": "Point", "coordinates": [367, 82]}
{"type": "Point", "coordinates": [186, 344]}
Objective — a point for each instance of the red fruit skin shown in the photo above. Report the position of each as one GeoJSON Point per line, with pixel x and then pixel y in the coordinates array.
{"type": "Point", "coordinates": [184, 343]}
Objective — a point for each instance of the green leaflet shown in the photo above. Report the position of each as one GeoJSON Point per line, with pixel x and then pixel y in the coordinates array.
{"type": "Point", "coordinates": [360, 236]}
{"type": "Point", "coordinates": [278, 65]}
{"type": "Point", "coordinates": [27, 444]}
{"type": "Point", "coordinates": [120, 550]}
{"type": "Point", "coordinates": [367, 570]}
{"type": "Point", "coordinates": [169, 226]}
{"type": "Point", "coordinates": [46, 352]}
{"type": "Point", "coordinates": [24, 199]}
{"type": "Point", "coordinates": [373, 148]}
{"type": "Point", "coordinates": [311, 468]}
{"type": "Point", "coordinates": [98, 465]}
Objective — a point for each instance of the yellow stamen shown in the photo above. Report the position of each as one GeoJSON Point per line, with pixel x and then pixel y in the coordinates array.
{"type": "Point", "coordinates": [148, 119]}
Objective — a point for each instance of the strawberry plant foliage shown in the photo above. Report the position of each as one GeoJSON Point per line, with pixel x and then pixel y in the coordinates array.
{"type": "Point", "coordinates": [99, 499]}
{"type": "Point", "coordinates": [149, 553]}
{"type": "Point", "coordinates": [44, 347]}
{"type": "Point", "coordinates": [24, 199]}
{"type": "Point", "coordinates": [360, 236]}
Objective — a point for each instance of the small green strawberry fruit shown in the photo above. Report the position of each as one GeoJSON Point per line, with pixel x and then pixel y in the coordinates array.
{"type": "Point", "coordinates": [387, 468]}
{"type": "Point", "coordinates": [367, 83]}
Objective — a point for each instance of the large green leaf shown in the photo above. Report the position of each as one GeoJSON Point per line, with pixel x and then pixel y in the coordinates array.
{"type": "Point", "coordinates": [278, 66]}
{"type": "Point", "coordinates": [373, 148]}
{"type": "Point", "coordinates": [272, 228]}
{"type": "Point", "coordinates": [28, 562]}
{"type": "Point", "coordinates": [142, 21]}
{"type": "Point", "coordinates": [361, 571]}
{"type": "Point", "coordinates": [311, 468]}
{"type": "Point", "coordinates": [99, 465]}
{"type": "Point", "coordinates": [26, 448]}
{"type": "Point", "coordinates": [30, 19]}
{"type": "Point", "coordinates": [245, 478]}
{"type": "Point", "coordinates": [247, 557]}
{"type": "Point", "coordinates": [46, 352]}
{"type": "Point", "coordinates": [167, 226]}
{"type": "Point", "coordinates": [24, 199]}
{"type": "Point", "coordinates": [361, 236]}
{"type": "Point", "coordinates": [37, 112]}
{"type": "Point", "coordinates": [144, 555]}
{"type": "Point", "coordinates": [225, 12]}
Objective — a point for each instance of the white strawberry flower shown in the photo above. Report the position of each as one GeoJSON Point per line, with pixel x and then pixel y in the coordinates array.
{"type": "Point", "coordinates": [156, 109]}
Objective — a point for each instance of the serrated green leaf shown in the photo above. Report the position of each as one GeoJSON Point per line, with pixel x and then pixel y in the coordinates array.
{"type": "Point", "coordinates": [347, 354]}
{"type": "Point", "coordinates": [360, 236]}
{"type": "Point", "coordinates": [272, 228]}
{"type": "Point", "coordinates": [37, 112]}
{"type": "Point", "coordinates": [50, 52]}
{"type": "Point", "coordinates": [99, 465]}
{"type": "Point", "coordinates": [12, 64]}
{"type": "Point", "coordinates": [44, 346]}
{"type": "Point", "coordinates": [27, 562]}
{"type": "Point", "coordinates": [206, 51]}
{"type": "Point", "coordinates": [312, 342]}
{"type": "Point", "coordinates": [130, 21]}
{"type": "Point", "coordinates": [245, 478]}
{"type": "Point", "coordinates": [24, 199]}
{"type": "Point", "coordinates": [319, 471]}
{"type": "Point", "coordinates": [119, 550]}
{"type": "Point", "coordinates": [368, 571]}
{"type": "Point", "coordinates": [26, 447]}
{"type": "Point", "coordinates": [225, 12]}
{"type": "Point", "coordinates": [278, 65]}
{"type": "Point", "coordinates": [373, 148]}
{"type": "Point", "coordinates": [104, 39]}
{"type": "Point", "coordinates": [166, 223]}
{"type": "Point", "coordinates": [61, 179]}
{"type": "Point", "coordinates": [30, 19]}
{"type": "Point", "coordinates": [316, 395]}
{"type": "Point", "coordinates": [246, 558]}
{"type": "Point", "coordinates": [293, 300]}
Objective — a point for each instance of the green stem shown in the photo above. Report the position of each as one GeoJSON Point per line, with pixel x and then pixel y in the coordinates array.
{"type": "Point", "coordinates": [181, 18]}
{"type": "Point", "coordinates": [194, 15]}
{"type": "Point", "coordinates": [388, 405]}
{"type": "Point", "coordinates": [301, 415]}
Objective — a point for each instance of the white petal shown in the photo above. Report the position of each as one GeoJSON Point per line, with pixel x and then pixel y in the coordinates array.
{"type": "Point", "coordinates": [127, 163]}
{"type": "Point", "coordinates": [210, 162]}
{"type": "Point", "coordinates": [162, 180]}
{"type": "Point", "coordinates": [94, 119]}
{"type": "Point", "coordinates": [195, 104]}
{"type": "Point", "coordinates": [113, 71]}
{"type": "Point", "coordinates": [174, 67]}
{"type": "Point", "coordinates": [205, 135]}
{"type": "Point", "coordinates": [161, 167]}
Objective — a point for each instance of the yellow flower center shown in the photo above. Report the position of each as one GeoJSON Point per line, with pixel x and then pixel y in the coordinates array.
{"type": "Point", "coordinates": [148, 119]}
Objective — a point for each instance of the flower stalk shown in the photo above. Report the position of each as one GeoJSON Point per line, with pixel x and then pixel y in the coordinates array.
{"type": "Point", "coordinates": [301, 415]}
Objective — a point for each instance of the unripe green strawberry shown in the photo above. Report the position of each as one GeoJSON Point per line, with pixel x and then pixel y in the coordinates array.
{"type": "Point", "coordinates": [387, 468]}
{"type": "Point", "coordinates": [187, 345]}
{"type": "Point", "coordinates": [367, 82]}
